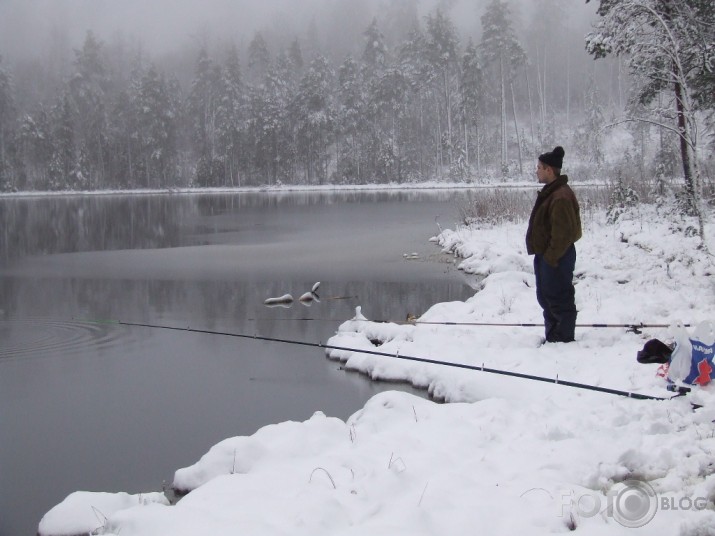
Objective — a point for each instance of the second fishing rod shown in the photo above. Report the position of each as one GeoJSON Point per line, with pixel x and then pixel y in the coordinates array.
{"type": "Point", "coordinates": [635, 327]}
{"type": "Point", "coordinates": [397, 355]}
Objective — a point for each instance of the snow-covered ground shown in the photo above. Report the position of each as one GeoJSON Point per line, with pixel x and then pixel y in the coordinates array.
{"type": "Point", "coordinates": [507, 456]}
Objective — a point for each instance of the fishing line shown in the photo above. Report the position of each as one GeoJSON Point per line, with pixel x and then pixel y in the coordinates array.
{"type": "Point", "coordinates": [396, 355]}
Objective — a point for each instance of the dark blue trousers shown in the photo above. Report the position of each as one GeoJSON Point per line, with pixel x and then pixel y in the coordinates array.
{"type": "Point", "coordinates": [556, 295]}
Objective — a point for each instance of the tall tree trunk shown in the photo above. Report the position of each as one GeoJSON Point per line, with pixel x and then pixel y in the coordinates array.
{"type": "Point", "coordinates": [439, 139]}
{"type": "Point", "coordinates": [422, 141]}
{"type": "Point", "coordinates": [691, 171]}
{"type": "Point", "coordinates": [466, 143]}
{"type": "Point", "coordinates": [542, 101]}
{"type": "Point", "coordinates": [479, 147]}
{"type": "Point", "coordinates": [543, 93]}
{"type": "Point", "coordinates": [393, 147]}
{"type": "Point", "coordinates": [684, 150]}
{"type": "Point", "coordinates": [504, 155]}
{"type": "Point", "coordinates": [448, 101]}
{"type": "Point", "coordinates": [531, 111]}
{"type": "Point", "coordinates": [620, 84]}
{"type": "Point", "coordinates": [131, 166]}
{"type": "Point", "coordinates": [356, 155]}
{"type": "Point", "coordinates": [516, 127]}
{"type": "Point", "coordinates": [568, 89]}
{"type": "Point", "coordinates": [2, 147]}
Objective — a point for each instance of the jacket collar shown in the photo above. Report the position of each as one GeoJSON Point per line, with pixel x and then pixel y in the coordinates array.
{"type": "Point", "coordinates": [548, 189]}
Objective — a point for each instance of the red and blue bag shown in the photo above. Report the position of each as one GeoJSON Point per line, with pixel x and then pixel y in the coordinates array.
{"type": "Point", "coordinates": [691, 362]}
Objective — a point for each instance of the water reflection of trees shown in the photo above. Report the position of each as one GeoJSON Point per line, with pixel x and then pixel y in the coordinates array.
{"type": "Point", "coordinates": [58, 224]}
{"type": "Point", "coordinates": [66, 224]}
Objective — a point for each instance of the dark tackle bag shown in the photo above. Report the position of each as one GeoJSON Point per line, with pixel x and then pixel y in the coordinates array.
{"type": "Point", "coordinates": [655, 351]}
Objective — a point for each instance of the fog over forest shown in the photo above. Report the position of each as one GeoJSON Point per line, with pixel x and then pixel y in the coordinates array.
{"type": "Point", "coordinates": [31, 27]}
{"type": "Point", "coordinates": [166, 93]}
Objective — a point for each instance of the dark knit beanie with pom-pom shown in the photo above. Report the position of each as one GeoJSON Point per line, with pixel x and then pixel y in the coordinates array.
{"type": "Point", "coordinates": [555, 158]}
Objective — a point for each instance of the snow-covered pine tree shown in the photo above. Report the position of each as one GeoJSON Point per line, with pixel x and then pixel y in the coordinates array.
{"type": "Point", "coordinates": [229, 113]}
{"type": "Point", "coordinates": [203, 104]}
{"type": "Point", "coordinates": [35, 148]}
{"type": "Point", "coordinates": [502, 51]}
{"type": "Point", "coordinates": [64, 156]}
{"type": "Point", "coordinates": [315, 116]}
{"type": "Point", "coordinates": [88, 89]}
{"type": "Point", "coordinates": [295, 55]}
{"type": "Point", "coordinates": [472, 105]}
{"type": "Point", "coordinates": [374, 54]}
{"type": "Point", "coordinates": [156, 123]}
{"type": "Point", "coordinates": [279, 89]}
{"type": "Point", "coordinates": [374, 62]}
{"type": "Point", "coordinates": [413, 63]}
{"type": "Point", "coordinates": [398, 18]}
{"type": "Point", "coordinates": [441, 49]}
{"type": "Point", "coordinates": [259, 58]}
{"type": "Point", "coordinates": [589, 135]}
{"type": "Point", "coordinates": [351, 120]}
{"type": "Point", "coordinates": [389, 102]}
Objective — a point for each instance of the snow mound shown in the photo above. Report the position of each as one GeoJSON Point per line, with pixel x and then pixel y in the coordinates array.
{"type": "Point", "coordinates": [85, 512]}
{"type": "Point", "coordinates": [406, 465]}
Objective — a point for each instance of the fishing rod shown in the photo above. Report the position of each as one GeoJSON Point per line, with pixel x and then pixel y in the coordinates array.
{"type": "Point", "coordinates": [634, 327]}
{"type": "Point", "coordinates": [396, 355]}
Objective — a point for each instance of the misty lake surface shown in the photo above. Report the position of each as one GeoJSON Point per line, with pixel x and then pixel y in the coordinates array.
{"type": "Point", "coordinates": [87, 404]}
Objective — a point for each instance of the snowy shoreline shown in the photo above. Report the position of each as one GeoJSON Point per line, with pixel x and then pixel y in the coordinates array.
{"type": "Point", "coordinates": [507, 455]}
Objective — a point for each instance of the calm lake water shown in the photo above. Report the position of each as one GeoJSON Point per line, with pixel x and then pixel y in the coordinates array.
{"type": "Point", "coordinates": [92, 405]}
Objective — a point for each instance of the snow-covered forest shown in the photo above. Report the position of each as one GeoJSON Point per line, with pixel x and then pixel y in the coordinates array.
{"type": "Point", "coordinates": [368, 92]}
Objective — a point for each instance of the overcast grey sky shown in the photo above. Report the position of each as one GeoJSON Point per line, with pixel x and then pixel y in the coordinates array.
{"type": "Point", "coordinates": [31, 26]}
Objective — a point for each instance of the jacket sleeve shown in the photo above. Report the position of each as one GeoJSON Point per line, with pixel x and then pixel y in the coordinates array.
{"type": "Point", "coordinates": [564, 230]}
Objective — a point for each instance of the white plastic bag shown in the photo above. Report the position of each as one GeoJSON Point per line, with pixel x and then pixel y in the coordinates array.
{"type": "Point", "coordinates": [681, 361]}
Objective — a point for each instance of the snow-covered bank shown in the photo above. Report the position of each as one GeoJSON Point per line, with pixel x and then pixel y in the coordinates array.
{"type": "Point", "coordinates": [508, 456]}
{"type": "Point", "coordinates": [637, 271]}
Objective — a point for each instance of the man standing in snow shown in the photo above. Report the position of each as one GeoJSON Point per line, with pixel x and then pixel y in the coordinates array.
{"type": "Point", "coordinates": [554, 226]}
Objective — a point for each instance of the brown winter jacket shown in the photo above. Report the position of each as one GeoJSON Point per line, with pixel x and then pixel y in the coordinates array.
{"type": "Point", "coordinates": [555, 221]}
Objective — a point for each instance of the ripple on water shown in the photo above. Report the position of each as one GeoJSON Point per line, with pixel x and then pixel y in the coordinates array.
{"type": "Point", "coordinates": [31, 338]}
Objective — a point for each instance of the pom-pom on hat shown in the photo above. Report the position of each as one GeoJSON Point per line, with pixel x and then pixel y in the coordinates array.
{"type": "Point", "coordinates": [555, 158]}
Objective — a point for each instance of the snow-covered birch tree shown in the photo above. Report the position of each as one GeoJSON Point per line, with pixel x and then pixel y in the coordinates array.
{"type": "Point", "coordinates": [668, 49]}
